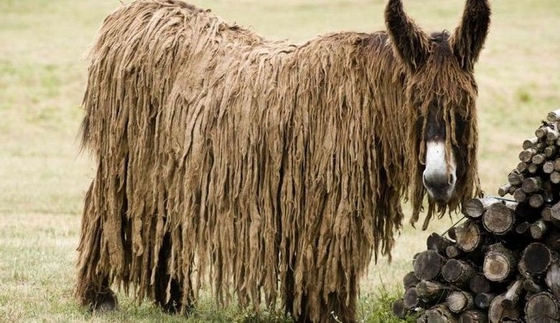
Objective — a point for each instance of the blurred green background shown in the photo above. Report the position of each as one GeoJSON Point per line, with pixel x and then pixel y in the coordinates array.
{"type": "Point", "coordinates": [43, 176]}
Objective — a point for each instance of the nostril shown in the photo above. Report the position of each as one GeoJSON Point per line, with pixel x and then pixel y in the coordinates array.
{"type": "Point", "coordinates": [436, 180]}
{"type": "Point", "coordinates": [440, 186]}
{"type": "Point", "coordinates": [451, 179]}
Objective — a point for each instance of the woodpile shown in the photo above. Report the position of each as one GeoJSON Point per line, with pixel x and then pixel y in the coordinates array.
{"type": "Point", "coordinates": [501, 264]}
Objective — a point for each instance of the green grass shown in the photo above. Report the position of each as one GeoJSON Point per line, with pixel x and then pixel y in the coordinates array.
{"type": "Point", "coordinates": [43, 178]}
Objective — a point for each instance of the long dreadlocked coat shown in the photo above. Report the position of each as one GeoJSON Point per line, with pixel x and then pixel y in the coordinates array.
{"type": "Point", "coordinates": [272, 169]}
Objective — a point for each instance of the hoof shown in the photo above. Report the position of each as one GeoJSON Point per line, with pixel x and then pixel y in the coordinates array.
{"type": "Point", "coordinates": [173, 307]}
{"type": "Point", "coordinates": [105, 302]}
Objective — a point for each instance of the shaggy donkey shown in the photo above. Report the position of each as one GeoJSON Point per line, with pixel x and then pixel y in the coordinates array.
{"type": "Point", "coordinates": [274, 171]}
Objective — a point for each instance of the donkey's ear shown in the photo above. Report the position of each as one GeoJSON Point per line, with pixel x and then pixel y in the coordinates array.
{"type": "Point", "coordinates": [409, 41]}
{"type": "Point", "coordinates": [469, 37]}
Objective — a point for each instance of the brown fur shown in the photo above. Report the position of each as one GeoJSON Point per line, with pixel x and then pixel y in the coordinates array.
{"type": "Point", "coordinates": [269, 169]}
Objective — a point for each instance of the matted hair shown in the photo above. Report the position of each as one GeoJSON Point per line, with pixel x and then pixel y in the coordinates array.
{"type": "Point", "coordinates": [273, 169]}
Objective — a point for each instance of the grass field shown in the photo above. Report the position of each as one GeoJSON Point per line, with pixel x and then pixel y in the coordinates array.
{"type": "Point", "coordinates": [43, 177]}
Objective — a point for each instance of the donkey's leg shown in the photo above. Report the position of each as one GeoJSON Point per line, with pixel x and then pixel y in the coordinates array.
{"type": "Point", "coordinates": [163, 280]}
{"type": "Point", "coordinates": [92, 289]}
{"type": "Point", "coordinates": [288, 285]}
{"type": "Point", "coordinates": [337, 309]}
{"type": "Point", "coordinates": [339, 306]}
{"type": "Point", "coordinates": [288, 294]}
{"type": "Point", "coordinates": [98, 297]}
{"type": "Point", "coordinates": [176, 302]}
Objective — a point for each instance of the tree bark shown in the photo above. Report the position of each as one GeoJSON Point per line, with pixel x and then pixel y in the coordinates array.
{"type": "Point", "coordinates": [440, 314]}
{"type": "Point", "coordinates": [457, 272]}
{"type": "Point", "coordinates": [428, 264]}
{"type": "Point", "coordinates": [496, 312]}
{"type": "Point", "coordinates": [410, 280]}
{"type": "Point", "coordinates": [515, 178]}
{"type": "Point", "coordinates": [511, 297]}
{"type": "Point", "coordinates": [473, 316]}
{"type": "Point", "coordinates": [431, 290]}
{"type": "Point", "coordinates": [519, 195]}
{"type": "Point", "coordinates": [530, 143]}
{"type": "Point", "coordinates": [538, 229]}
{"type": "Point", "coordinates": [553, 116]}
{"type": "Point", "coordinates": [480, 284]}
{"type": "Point", "coordinates": [552, 279]}
{"type": "Point", "coordinates": [522, 228]}
{"type": "Point", "coordinates": [552, 239]}
{"type": "Point", "coordinates": [557, 164]}
{"type": "Point", "coordinates": [399, 310]}
{"type": "Point", "coordinates": [546, 214]}
{"type": "Point", "coordinates": [438, 243]}
{"type": "Point", "coordinates": [505, 189]}
{"type": "Point", "coordinates": [532, 184]}
{"type": "Point", "coordinates": [474, 208]}
{"type": "Point", "coordinates": [411, 299]}
{"type": "Point", "coordinates": [555, 211]}
{"type": "Point", "coordinates": [542, 131]}
{"type": "Point", "coordinates": [453, 251]}
{"type": "Point", "coordinates": [531, 286]}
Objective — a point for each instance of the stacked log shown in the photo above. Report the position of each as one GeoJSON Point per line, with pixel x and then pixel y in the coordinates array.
{"type": "Point", "coordinates": [501, 263]}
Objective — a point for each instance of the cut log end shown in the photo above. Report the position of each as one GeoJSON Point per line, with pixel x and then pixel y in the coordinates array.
{"type": "Point", "coordinates": [411, 299]}
{"type": "Point", "coordinates": [497, 313]}
{"type": "Point", "coordinates": [474, 208]}
{"type": "Point", "coordinates": [480, 284]}
{"type": "Point", "coordinates": [499, 263]}
{"type": "Point", "coordinates": [473, 316]}
{"type": "Point", "coordinates": [440, 314]}
{"type": "Point", "coordinates": [553, 116]}
{"type": "Point", "coordinates": [468, 236]}
{"type": "Point", "coordinates": [538, 229]}
{"type": "Point", "coordinates": [459, 301]}
{"type": "Point", "coordinates": [431, 290]}
{"type": "Point", "coordinates": [438, 243]}
{"type": "Point", "coordinates": [457, 272]}
{"type": "Point", "coordinates": [498, 219]}
{"type": "Point", "coordinates": [428, 264]}
{"type": "Point", "coordinates": [410, 280]}
{"type": "Point", "coordinates": [399, 310]}
{"type": "Point", "coordinates": [483, 300]}
{"type": "Point", "coordinates": [542, 308]}
{"type": "Point", "coordinates": [536, 258]}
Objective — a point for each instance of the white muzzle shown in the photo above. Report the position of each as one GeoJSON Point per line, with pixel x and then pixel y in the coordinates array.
{"type": "Point", "coordinates": [439, 175]}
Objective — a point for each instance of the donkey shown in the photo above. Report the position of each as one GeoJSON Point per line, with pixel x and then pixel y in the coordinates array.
{"type": "Point", "coordinates": [274, 170]}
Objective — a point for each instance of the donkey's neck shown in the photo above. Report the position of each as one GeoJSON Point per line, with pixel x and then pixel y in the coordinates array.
{"type": "Point", "coordinates": [388, 78]}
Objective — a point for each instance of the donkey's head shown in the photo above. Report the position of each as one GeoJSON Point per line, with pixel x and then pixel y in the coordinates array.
{"type": "Point", "coordinates": [441, 91]}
